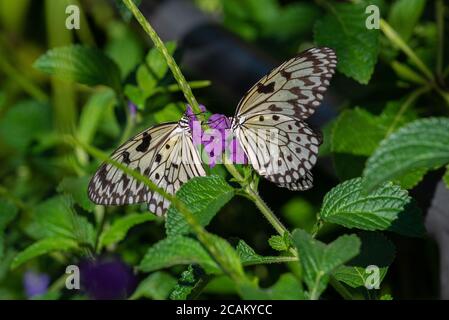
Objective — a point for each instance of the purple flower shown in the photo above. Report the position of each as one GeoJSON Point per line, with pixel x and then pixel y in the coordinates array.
{"type": "Point", "coordinates": [132, 110]}
{"type": "Point", "coordinates": [107, 278]}
{"type": "Point", "coordinates": [35, 283]}
{"type": "Point", "coordinates": [215, 140]}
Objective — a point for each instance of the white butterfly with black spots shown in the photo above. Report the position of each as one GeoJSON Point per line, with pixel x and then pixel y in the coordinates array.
{"type": "Point", "coordinates": [164, 153]}
{"type": "Point", "coordinates": [281, 101]}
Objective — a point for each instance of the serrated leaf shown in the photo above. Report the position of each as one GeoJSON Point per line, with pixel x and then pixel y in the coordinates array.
{"type": "Point", "coordinates": [404, 15]}
{"type": "Point", "coordinates": [319, 260]}
{"type": "Point", "coordinates": [55, 218]}
{"type": "Point", "coordinates": [286, 288]}
{"type": "Point", "coordinates": [277, 243]}
{"type": "Point", "coordinates": [192, 278]}
{"type": "Point", "coordinates": [344, 30]}
{"type": "Point", "coordinates": [157, 285]}
{"type": "Point", "coordinates": [121, 226]}
{"type": "Point", "coordinates": [249, 257]}
{"type": "Point", "coordinates": [42, 247]}
{"type": "Point", "coordinates": [204, 196]}
{"type": "Point", "coordinates": [177, 250]}
{"type": "Point", "coordinates": [81, 64]}
{"type": "Point", "coordinates": [421, 144]}
{"type": "Point", "coordinates": [76, 187]}
{"type": "Point", "coordinates": [356, 132]}
{"type": "Point", "coordinates": [385, 208]}
{"type": "Point", "coordinates": [376, 250]}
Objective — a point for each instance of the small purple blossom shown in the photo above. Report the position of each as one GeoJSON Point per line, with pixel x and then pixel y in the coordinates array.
{"type": "Point", "coordinates": [35, 284]}
{"type": "Point", "coordinates": [107, 278]}
{"type": "Point", "coordinates": [216, 140]}
{"type": "Point", "coordinates": [132, 110]}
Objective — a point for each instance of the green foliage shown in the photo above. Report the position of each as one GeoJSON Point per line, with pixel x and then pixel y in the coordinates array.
{"type": "Point", "coordinates": [81, 64]}
{"type": "Point", "coordinates": [56, 218]}
{"type": "Point", "coordinates": [343, 28]}
{"type": "Point", "coordinates": [404, 15]}
{"type": "Point", "coordinates": [157, 285]}
{"type": "Point", "coordinates": [286, 288]}
{"type": "Point", "coordinates": [76, 187]}
{"type": "Point", "coordinates": [51, 133]}
{"type": "Point", "coordinates": [204, 196]}
{"type": "Point", "coordinates": [121, 226]}
{"type": "Point", "coordinates": [42, 247]}
{"type": "Point", "coordinates": [319, 260]}
{"type": "Point", "coordinates": [376, 250]}
{"type": "Point", "coordinates": [386, 208]}
{"type": "Point", "coordinates": [36, 115]}
{"type": "Point", "coordinates": [422, 144]}
{"type": "Point", "coordinates": [177, 250]}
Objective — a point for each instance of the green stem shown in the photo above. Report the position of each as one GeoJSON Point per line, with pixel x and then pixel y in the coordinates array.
{"type": "Point", "coordinates": [22, 81]}
{"type": "Point", "coordinates": [341, 289]}
{"type": "Point", "coordinates": [396, 39]}
{"type": "Point", "coordinates": [168, 58]}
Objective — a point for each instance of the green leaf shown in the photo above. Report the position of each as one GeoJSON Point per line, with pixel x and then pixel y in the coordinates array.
{"type": "Point", "coordinates": [8, 211]}
{"type": "Point", "coordinates": [37, 117]}
{"type": "Point", "coordinates": [124, 47]}
{"type": "Point", "coordinates": [42, 247]}
{"type": "Point", "coordinates": [421, 144]}
{"type": "Point", "coordinates": [377, 251]}
{"type": "Point", "coordinates": [286, 288]}
{"type": "Point", "coordinates": [356, 132]}
{"type": "Point", "coordinates": [386, 297]}
{"type": "Point", "coordinates": [204, 196]}
{"type": "Point", "coordinates": [230, 262]}
{"type": "Point", "coordinates": [344, 30]}
{"type": "Point", "coordinates": [77, 186]}
{"type": "Point", "coordinates": [156, 63]}
{"type": "Point", "coordinates": [81, 64]}
{"type": "Point", "coordinates": [157, 285]}
{"type": "Point", "coordinates": [94, 113]}
{"type": "Point", "coordinates": [192, 279]}
{"type": "Point", "coordinates": [177, 250]}
{"type": "Point", "coordinates": [56, 218]}
{"type": "Point", "coordinates": [120, 227]}
{"type": "Point", "coordinates": [146, 80]}
{"type": "Point", "coordinates": [249, 257]}
{"type": "Point", "coordinates": [386, 208]}
{"type": "Point", "coordinates": [319, 260]}
{"type": "Point", "coordinates": [359, 132]}
{"type": "Point", "coordinates": [404, 16]}
{"type": "Point", "coordinates": [277, 243]}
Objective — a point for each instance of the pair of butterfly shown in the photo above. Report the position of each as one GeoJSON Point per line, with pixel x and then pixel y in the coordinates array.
{"type": "Point", "coordinates": [281, 100]}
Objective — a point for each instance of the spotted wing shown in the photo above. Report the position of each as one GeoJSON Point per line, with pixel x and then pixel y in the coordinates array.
{"type": "Point", "coordinates": [280, 148]}
{"type": "Point", "coordinates": [164, 153]}
{"type": "Point", "coordinates": [281, 101]}
{"type": "Point", "coordinates": [294, 88]}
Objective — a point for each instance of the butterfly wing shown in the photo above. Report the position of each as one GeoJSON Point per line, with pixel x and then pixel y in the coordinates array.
{"type": "Point", "coordinates": [280, 101]}
{"type": "Point", "coordinates": [280, 148]}
{"type": "Point", "coordinates": [164, 153]}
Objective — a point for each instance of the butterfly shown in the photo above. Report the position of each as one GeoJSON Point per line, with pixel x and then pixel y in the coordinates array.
{"type": "Point", "coordinates": [164, 153]}
{"type": "Point", "coordinates": [280, 101]}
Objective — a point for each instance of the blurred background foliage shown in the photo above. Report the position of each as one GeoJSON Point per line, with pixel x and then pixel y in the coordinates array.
{"type": "Point", "coordinates": [43, 182]}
